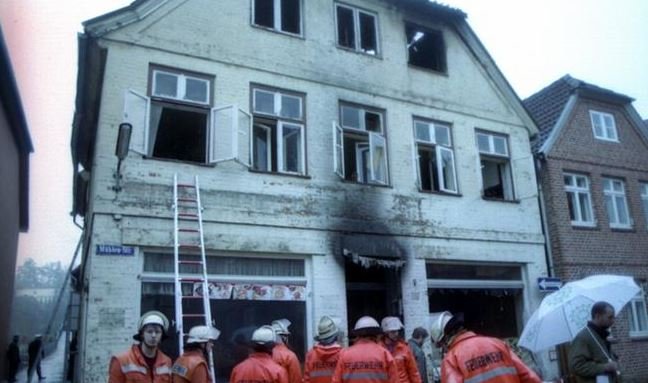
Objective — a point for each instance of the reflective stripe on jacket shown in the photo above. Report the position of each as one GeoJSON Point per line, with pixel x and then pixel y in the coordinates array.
{"type": "Point", "coordinates": [405, 362]}
{"type": "Point", "coordinates": [365, 362]}
{"type": "Point", "coordinates": [321, 362]}
{"type": "Point", "coordinates": [288, 360]}
{"type": "Point", "coordinates": [131, 367]}
{"type": "Point", "coordinates": [259, 368]}
{"type": "Point", "coordinates": [191, 367]}
{"type": "Point", "coordinates": [479, 359]}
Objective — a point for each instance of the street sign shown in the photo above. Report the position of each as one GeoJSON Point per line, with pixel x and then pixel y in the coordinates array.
{"type": "Point", "coordinates": [547, 284]}
{"type": "Point", "coordinates": [125, 251]}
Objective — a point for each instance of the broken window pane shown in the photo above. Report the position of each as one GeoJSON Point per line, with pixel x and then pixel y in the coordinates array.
{"type": "Point", "coordinates": [346, 30]}
{"type": "Point", "coordinates": [264, 13]}
{"type": "Point", "coordinates": [290, 16]}
{"type": "Point", "coordinates": [368, 33]}
{"type": "Point", "coordinates": [178, 133]}
{"type": "Point", "coordinates": [426, 48]}
{"type": "Point", "coordinates": [166, 84]}
{"type": "Point", "coordinates": [372, 122]}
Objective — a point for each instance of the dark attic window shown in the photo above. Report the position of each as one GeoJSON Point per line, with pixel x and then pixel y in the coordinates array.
{"type": "Point", "coordinates": [426, 48]}
{"type": "Point", "coordinates": [280, 15]}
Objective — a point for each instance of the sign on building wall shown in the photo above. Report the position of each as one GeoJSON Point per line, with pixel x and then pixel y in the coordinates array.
{"type": "Point", "coordinates": [247, 291]}
{"type": "Point", "coordinates": [124, 251]}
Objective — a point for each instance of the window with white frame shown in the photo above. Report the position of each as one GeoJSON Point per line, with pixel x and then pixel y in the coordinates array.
{"type": "Point", "coordinates": [603, 126]}
{"type": "Point", "coordinates": [359, 145]}
{"type": "Point", "coordinates": [579, 199]}
{"type": "Point", "coordinates": [280, 15]}
{"type": "Point", "coordinates": [638, 315]}
{"type": "Point", "coordinates": [434, 156]}
{"type": "Point", "coordinates": [357, 29]}
{"type": "Point", "coordinates": [644, 200]}
{"type": "Point", "coordinates": [176, 120]}
{"type": "Point", "coordinates": [278, 143]}
{"type": "Point", "coordinates": [495, 164]}
{"type": "Point", "coordinates": [616, 203]}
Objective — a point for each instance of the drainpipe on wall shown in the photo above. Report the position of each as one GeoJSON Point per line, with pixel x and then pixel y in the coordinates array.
{"type": "Point", "coordinates": [543, 215]}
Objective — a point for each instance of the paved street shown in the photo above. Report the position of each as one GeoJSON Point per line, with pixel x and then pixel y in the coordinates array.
{"type": "Point", "coordinates": [53, 366]}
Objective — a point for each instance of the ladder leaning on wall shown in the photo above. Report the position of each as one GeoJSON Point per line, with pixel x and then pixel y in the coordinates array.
{"type": "Point", "coordinates": [190, 271]}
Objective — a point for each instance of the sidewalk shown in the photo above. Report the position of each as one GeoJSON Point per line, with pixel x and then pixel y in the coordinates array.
{"type": "Point", "coordinates": [53, 366]}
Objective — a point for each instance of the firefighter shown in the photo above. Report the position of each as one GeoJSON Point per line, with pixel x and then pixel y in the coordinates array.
{"type": "Point", "coordinates": [282, 354]}
{"type": "Point", "coordinates": [259, 366]}
{"type": "Point", "coordinates": [144, 362]}
{"type": "Point", "coordinates": [322, 359]}
{"type": "Point", "coordinates": [366, 361]}
{"type": "Point", "coordinates": [476, 358]}
{"type": "Point", "coordinates": [192, 366]}
{"type": "Point", "coordinates": [392, 341]}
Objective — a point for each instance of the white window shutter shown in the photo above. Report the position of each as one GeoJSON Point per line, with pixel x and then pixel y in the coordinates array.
{"type": "Point", "coordinates": [338, 150]}
{"type": "Point", "coordinates": [136, 113]}
{"type": "Point", "coordinates": [377, 158]}
{"type": "Point", "coordinates": [221, 134]}
{"type": "Point", "coordinates": [441, 171]}
{"type": "Point", "coordinates": [244, 137]}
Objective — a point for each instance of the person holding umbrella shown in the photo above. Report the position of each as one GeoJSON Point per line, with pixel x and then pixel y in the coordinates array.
{"type": "Point", "coordinates": [590, 356]}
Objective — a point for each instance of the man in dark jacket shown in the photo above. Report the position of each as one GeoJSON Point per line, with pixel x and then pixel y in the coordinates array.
{"type": "Point", "coordinates": [36, 353]}
{"type": "Point", "coordinates": [416, 343]}
{"type": "Point", "coordinates": [590, 356]}
{"type": "Point", "coordinates": [13, 359]}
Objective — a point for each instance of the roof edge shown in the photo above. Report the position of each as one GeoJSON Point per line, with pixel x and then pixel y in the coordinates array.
{"type": "Point", "coordinates": [136, 11]}
{"type": "Point", "coordinates": [560, 124]}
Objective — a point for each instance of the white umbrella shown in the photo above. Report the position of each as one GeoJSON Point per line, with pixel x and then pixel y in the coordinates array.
{"type": "Point", "coordinates": [563, 314]}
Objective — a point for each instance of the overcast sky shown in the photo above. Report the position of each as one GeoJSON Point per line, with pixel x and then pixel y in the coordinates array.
{"type": "Point", "coordinates": [604, 42]}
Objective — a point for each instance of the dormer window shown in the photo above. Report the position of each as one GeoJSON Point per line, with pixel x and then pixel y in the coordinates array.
{"type": "Point", "coordinates": [604, 126]}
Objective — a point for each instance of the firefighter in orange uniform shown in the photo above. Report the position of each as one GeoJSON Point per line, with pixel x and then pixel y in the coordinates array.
{"type": "Point", "coordinates": [366, 361]}
{"type": "Point", "coordinates": [259, 366]}
{"type": "Point", "coordinates": [476, 358]}
{"type": "Point", "coordinates": [405, 361]}
{"type": "Point", "coordinates": [322, 359]}
{"type": "Point", "coordinates": [144, 362]}
{"type": "Point", "coordinates": [192, 366]}
{"type": "Point", "coordinates": [282, 354]}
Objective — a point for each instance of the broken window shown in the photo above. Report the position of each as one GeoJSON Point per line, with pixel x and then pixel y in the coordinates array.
{"type": "Point", "coordinates": [278, 143]}
{"type": "Point", "coordinates": [435, 158]}
{"type": "Point", "coordinates": [425, 47]}
{"type": "Point", "coordinates": [360, 149]}
{"type": "Point", "coordinates": [281, 15]}
{"type": "Point", "coordinates": [357, 29]}
{"type": "Point", "coordinates": [495, 166]}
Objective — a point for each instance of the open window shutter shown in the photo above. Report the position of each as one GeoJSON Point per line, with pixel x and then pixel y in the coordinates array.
{"type": "Point", "coordinates": [244, 137]}
{"type": "Point", "coordinates": [136, 113]}
{"type": "Point", "coordinates": [416, 158]}
{"type": "Point", "coordinates": [221, 134]}
{"type": "Point", "coordinates": [507, 180]}
{"type": "Point", "coordinates": [377, 158]}
{"type": "Point", "coordinates": [446, 174]}
{"type": "Point", "coordinates": [338, 150]}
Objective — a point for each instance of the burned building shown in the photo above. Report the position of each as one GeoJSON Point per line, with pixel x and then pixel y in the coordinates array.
{"type": "Point", "coordinates": [356, 157]}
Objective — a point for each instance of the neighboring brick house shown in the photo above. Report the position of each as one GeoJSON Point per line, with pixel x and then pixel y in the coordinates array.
{"type": "Point", "coordinates": [383, 167]}
{"type": "Point", "coordinates": [15, 148]}
{"type": "Point", "coordinates": [592, 161]}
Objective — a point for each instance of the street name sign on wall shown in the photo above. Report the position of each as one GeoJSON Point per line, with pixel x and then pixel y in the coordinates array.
{"type": "Point", "coordinates": [124, 251]}
{"type": "Point", "coordinates": [547, 284]}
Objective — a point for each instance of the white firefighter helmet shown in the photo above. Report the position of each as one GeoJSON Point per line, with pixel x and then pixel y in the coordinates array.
{"type": "Point", "coordinates": [391, 324]}
{"type": "Point", "coordinates": [264, 335]}
{"type": "Point", "coordinates": [280, 326]}
{"type": "Point", "coordinates": [202, 334]}
{"type": "Point", "coordinates": [154, 317]}
{"type": "Point", "coordinates": [437, 330]}
{"type": "Point", "coordinates": [366, 322]}
{"type": "Point", "coordinates": [326, 328]}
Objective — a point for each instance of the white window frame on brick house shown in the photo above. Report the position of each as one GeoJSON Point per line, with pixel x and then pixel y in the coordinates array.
{"type": "Point", "coordinates": [170, 111]}
{"type": "Point", "coordinates": [358, 28]}
{"type": "Point", "coordinates": [579, 199]}
{"type": "Point", "coordinates": [434, 156]}
{"type": "Point", "coordinates": [494, 156]}
{"type": "Point", "coordinates": [644, 200]}
{"type": "Point", "coordinates": [638, 315]}
{"type": "Point", "coordinates": [616, 203]}
{"type": "Point", "coordinates": [604, 126]}
{"type": "Point", "coordinates": [283, 128]}
{"type": "Point", "coordinates": [277, 22]}
{"type": "Point", "coordinates": [360, 146]}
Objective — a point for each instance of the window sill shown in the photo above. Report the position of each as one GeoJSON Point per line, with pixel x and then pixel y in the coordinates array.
{"type": "Point", "coordinates": [639, 336]}
{"type": "Point", "coordinates": [516, 201]}
{"type": "Point", "coordinates": [205, 165]}
{"type": "Point", "coordinates": [293, 175]}
{"type": "Point", "coordinates": [366, 184]}
{"type": "Point", "coordinates": [429, 70]}
{"type": "Point", "coordinates": [607, 140]}
{"type": "Point", "coordinates": [273, 30]}
{"type": "Point", "coordinates": [351, 50]}
{"type": "Point", "coordinates": [434, 192]}
{"type": "Point", "coordinates": [620, 229]}
{"type": "Point", "coordinates": [585, 227]}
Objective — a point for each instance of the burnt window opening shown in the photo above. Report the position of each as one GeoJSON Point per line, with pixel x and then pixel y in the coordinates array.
{"type": "Point", "coordinates": [428, 168]}
{"type": "Point", "coordinates": [357, 29]}
{"type": "Point", "coordinates": [426, 48]}
{"type": "Point", "coordinates": [178, 133]}
{"type": "Point", "coordinates": [281, 15]}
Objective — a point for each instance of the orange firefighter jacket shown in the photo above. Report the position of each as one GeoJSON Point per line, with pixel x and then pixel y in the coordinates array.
{"type": "Point", "coordinates": [191, 367]}
{"type": "Point", "coordinates": [259, 368]}
{"type": "Point", "coordinates": [321, 362]}
{"type": "Point", "coordinates": [365, 362]}
{"type": "Point", "coordinates": [288, 360]}
{"type": "Point", "coordinates": [479, 359]}
{"type": "Point", "coordinates": [405, 361]}
{"type": "Point", "coordinates": [131, 367]}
